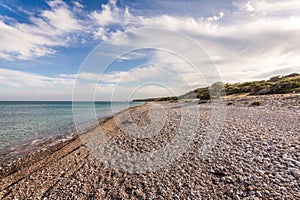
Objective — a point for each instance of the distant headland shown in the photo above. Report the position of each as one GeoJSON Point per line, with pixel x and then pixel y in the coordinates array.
{"type": "Point", "coordinates": [281, 84]}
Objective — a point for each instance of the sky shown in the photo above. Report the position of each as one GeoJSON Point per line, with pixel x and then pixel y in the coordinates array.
{"type": "Point", "coordinates": [46, 46]}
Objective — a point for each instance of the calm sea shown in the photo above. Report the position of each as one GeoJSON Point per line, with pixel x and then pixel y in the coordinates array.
{"type": "Point", "coordinates": [25, 122]}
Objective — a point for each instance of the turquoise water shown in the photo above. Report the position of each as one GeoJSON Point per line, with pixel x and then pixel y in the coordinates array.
{"type": "Point", "coordinates": [21, 122]}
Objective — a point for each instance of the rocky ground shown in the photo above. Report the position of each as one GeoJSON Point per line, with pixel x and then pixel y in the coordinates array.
{"type": "Point", "coordinates": [257, 155]}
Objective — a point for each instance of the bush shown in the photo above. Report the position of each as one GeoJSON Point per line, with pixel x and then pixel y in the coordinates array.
{"type": "Point", "coordinates": [275, 85]}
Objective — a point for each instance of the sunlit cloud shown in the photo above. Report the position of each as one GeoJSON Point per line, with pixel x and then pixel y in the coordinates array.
{"type": "Point", "coordinates": [52, 28]}
{"type": "Point", "coordinates": [254, 40]}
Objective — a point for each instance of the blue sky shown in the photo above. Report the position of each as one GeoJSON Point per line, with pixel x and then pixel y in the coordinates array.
{"type": "Point", "coordinates": [44, 43]}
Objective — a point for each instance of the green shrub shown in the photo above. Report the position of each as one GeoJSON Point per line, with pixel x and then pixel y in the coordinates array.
{"type": "Point", "coordinates": [275, 85]}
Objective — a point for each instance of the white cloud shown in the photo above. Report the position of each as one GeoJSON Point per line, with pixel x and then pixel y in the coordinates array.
{"type": "Point", "coordinates": [8, 8]}
{"type": "Point", "coordinates": [242, 46]}
{"type": "Point", "coordinates": [120, 92]}
{"type": "Point", "coordinates": [19, 85]}
{"type": "Point", "coordinates": [52, 28]}
{"type": "Point", "coordinates": [216, 17]}
{"type": "Point", "coordinates": [249, 7]}
{"type": "Point", "coordinates": [60, 18]}
{"type": "Point", "coordinates": [274, 8]}
{"type": "Point", "coordinates": [257, 37]}
{"type": "Point", "coordinates": [77, 4]}
{"type": "Point", "coordinates": [21, 79]}
{"type": "Point", "coordinates": [135, 55]}
{"type": "Point", "coordinates": [110, 14]}
{"type": "Point", "coordinates": [150, 73]}
{"type": "Point", "coordinates": [271, 28]}
{"type": "Point", "coordinates": [267, 38]}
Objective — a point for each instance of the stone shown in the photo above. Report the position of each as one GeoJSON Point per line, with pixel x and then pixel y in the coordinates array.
{"type": "Point", "coordinates": [295, 172]}
{"type": "Point", "coordinates": [297, 163]}
{"type": "Point", "coordinates": [279, 177]}
{"type": "Point", "coordinates": [283, 189]}
{"type": "Point", "coordinates": [236, 197]}
{"type": "Point", "coordinates": [261, 172]}
{"type": "Point", "coordinates": [258, 194]}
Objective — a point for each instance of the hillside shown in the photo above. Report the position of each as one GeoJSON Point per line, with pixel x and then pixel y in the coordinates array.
{"type": "Point", "coordinates": [275, 85]}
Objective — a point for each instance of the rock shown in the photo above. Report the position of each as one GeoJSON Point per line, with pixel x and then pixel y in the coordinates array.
{"type": "Point", "coordinates": [126, 122]}
{"type": "Point", "coordinates": [226, 170]}
{"type": "Point", "coordinates": [261, 172]}
{"type": "Point", "coordinates": [297, 163]}
{"type": "Point", "coordinates": [250, 188]}
{"type": "Point", "coordinates": [161, 191]}
{"type": "Point", "coordinates": [295, 172]}
{"type": "Point", "coordinates": [279, 177]}
{"type": "Point", "coordinates": [283, 189]}
{"type": "Point", "coordinates": [258, 194]}
{"type": "Point", "coordinates": [236, 197]}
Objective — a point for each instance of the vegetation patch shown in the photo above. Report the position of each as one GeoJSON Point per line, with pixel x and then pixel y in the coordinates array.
{"type": "Point", "coordinates": [275, 85]}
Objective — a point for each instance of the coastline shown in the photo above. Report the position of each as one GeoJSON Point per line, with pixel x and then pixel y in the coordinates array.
{"type": "Point", "coordinates": [41, 148]}
{"type": "Point", "coordinates": [216, 173]}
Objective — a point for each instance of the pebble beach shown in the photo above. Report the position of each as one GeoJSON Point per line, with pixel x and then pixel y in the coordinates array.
{"type": "Point", "coordinates": [256, 156]}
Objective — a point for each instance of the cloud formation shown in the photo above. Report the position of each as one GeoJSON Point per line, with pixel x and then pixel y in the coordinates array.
{"type": "Point", "coordinates": [255, 37]}
{"type": "Point", "coordinates": [18, 85]}
{"type": "Point", "coordinates": [20, 79]}
{"type": "Point", "coordinates": [254, 40]}
{"type": "Point", "coordinates": [50, 29]}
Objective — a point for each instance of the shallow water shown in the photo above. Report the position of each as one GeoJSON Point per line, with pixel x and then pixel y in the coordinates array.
{"type": "Point", "coordinates": [23, 122]}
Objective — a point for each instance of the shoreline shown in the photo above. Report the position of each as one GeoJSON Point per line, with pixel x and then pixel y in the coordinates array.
{"type": "Point", "coordinates": [45, 147]}
{"type": "Point", "coordinates": [221, 166]}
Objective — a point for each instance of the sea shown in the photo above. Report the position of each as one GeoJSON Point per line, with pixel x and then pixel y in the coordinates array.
{"type": "Point", "coordinates": [25, 123]}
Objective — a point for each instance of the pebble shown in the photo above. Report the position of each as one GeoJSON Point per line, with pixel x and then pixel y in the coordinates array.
{"type": "Point", "coordinates": [258, 194]}
{"type": "Point", "coordinates": [295, 172]}
{"type": "Point", "coordinates": [261, 172]}
{"type": "Point", "coordinates": [227, 171]}
{"type": "Point", "coordinates": [279, 177]}
{"type": "Point", "coordinates": [283, 188]}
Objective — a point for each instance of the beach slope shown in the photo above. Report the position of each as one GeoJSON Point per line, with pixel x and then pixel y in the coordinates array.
{"type": "Point", "coordinates": [257, 155]}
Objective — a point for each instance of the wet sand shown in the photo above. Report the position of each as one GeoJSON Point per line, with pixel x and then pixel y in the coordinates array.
{"type": "Point", "coordinates": [256, 157]}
